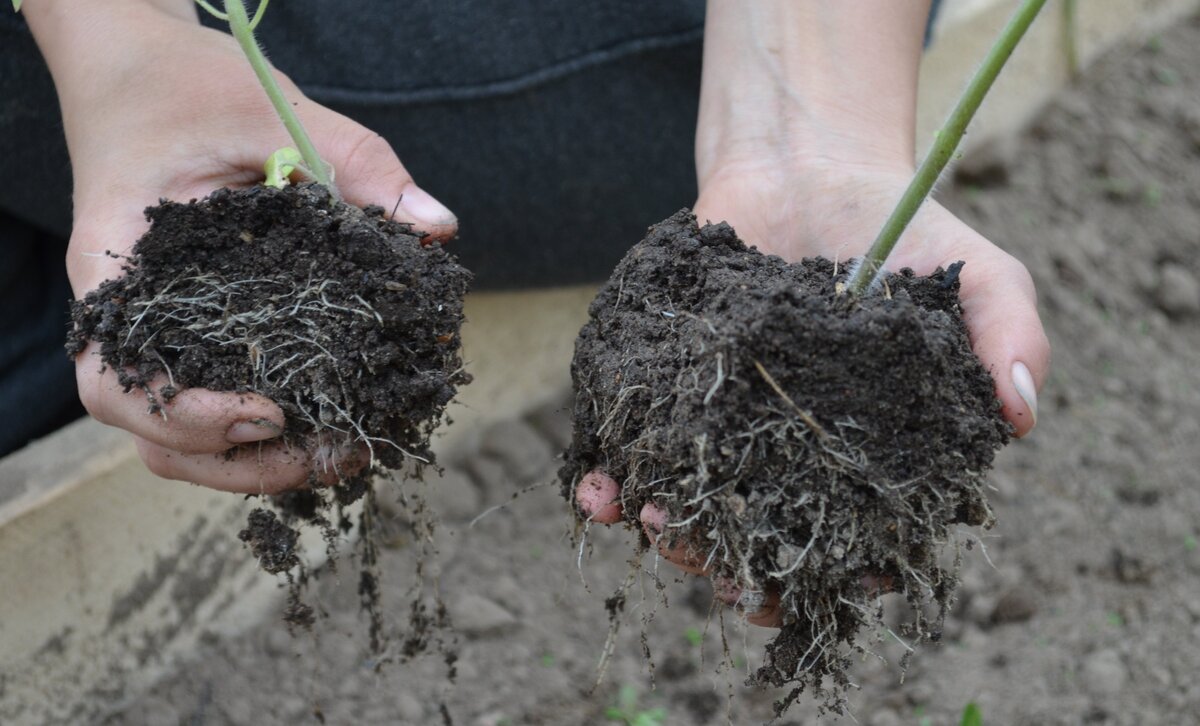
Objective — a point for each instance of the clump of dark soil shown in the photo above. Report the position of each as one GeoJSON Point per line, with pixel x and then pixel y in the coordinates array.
{"type": "Point", "coordinates": [804, 443]}
{"type": "Point", "coordinates": [348, 321]}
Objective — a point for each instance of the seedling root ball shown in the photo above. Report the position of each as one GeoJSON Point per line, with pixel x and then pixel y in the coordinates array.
{"type": "Point", "coordinates": [803, 442]}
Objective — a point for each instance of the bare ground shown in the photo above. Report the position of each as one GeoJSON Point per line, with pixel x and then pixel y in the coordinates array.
{"type": "Point", "coordinates": [1090, 614]}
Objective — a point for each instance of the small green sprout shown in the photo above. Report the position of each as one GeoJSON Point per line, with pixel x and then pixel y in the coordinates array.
{"type": "Point", "coordinates": [1166, 76]}
{"type": "Point", "coordinates": [1070, 37]}
{"type": "Point", "coordinates": [972, 716]}
{"type": "Point", "coordinates": [1153, 195]}
{"type": "Point", "coordinates": [627, 712]}
{"type": "Point", "coordinates": [1115, 620]}
{"type": "Point", "coordinates": [281, 165]}
{"type": "Point", "coordinates": [694, 636]}
{"type": "Point", "coordinates": [548, 660]}
{"type": "Point", "coordinates": [1190, 544]}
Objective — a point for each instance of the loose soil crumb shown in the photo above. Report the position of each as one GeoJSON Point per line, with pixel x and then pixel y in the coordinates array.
{"type": "Point", "coordinates": [802, 441]}
{"type": "Point", "coordinates": [347, 320]}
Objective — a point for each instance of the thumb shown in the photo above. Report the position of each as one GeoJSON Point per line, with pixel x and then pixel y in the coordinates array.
{"type": "Point", "coordinates": [102, 238]}
{"type": "Point", "coordinates": [1000, 308]}
{"type": "Point", "coordinates": [369, 172]}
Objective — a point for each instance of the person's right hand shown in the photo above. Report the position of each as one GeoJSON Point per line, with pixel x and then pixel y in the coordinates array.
{"type": "Point", "coordinates": [157, 106]}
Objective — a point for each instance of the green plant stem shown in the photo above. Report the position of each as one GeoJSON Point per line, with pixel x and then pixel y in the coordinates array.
{"type": "Point", "coordinates": [240, 26]}
{"type": "Point", "coordinates": [1070, 37]}
{"type": "Point", "coordinates": [258, 14]}
{"type": "Point", "coordinates": [943, 147]}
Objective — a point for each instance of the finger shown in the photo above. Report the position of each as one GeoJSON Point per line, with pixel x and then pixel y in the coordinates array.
{"type": "Point", "coordinates": [108, 226]}
{"type": "Point", "coordinates": [654, 523]}
{"type": "Point", "coordinates": [369, 172]}
{"type": "Point", "coordinates": [759, 608]}
{"type": "Point", "coordinates": [257, 468]}
{"type": "Point", "coordinates": [1000, 309]}
{"type": "Point", "coordinates": [194, 421]}
{"type": "Point", "coordinates": [332, 463]}
{"type": "Point", "coordinates": [598, 497]}
{"type": "Point", "coordinates": [250, 469]}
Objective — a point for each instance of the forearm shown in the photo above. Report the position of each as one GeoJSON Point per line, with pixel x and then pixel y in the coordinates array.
{"type": "Point", "coordinates": [808, 79]}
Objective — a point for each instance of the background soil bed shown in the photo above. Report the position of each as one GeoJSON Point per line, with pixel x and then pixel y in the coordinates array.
{"type": "Point", "coordinates": [1094, 602]}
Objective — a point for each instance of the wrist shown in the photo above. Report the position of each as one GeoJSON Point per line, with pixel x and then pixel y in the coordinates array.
{"type": "Point", "coordinates": [83, 42]}
{"type": "Point", "coordinates": [801, 85]}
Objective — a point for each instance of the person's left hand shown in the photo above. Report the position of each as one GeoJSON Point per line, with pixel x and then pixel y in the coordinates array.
{"type": "Point", "coordinates": [834, 209]}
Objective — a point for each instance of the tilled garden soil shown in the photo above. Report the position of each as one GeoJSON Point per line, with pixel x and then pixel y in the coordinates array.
{"type": "Point", "coordinates": [1088, 612]}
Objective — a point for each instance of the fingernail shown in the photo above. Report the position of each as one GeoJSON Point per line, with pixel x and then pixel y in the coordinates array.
{"type": "Point", "coordinates": [653, 519]}
{"type": "Point", "coordinates": [418, 204]}
{"type": "Point", "coordinates": [246, 432]}
{"type": "Point", "coordinates": [1023, 382]}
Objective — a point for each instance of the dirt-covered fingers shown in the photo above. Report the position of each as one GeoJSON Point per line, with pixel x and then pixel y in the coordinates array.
{"type": "Point", "coordinates": [332, 463]}
{"type": "Point", "coordinates": [194, 421]}
{"type": "Point", "coordinates": [598, 497]}
{"type": "Point", "coordinates": [678, 553]}
{"type": "Point", "coordinates": [762, 607]}
{"type": "Point", "coordinates": [265, 468]}
{"type": "Point", "coordinates": [759, 607]}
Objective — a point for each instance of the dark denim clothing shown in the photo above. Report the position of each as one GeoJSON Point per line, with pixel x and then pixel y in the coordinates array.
{"type": "Point", "coordinates": [556, 131]}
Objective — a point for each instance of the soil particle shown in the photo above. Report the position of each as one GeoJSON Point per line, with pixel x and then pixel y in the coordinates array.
{"type": "Point", "coordinates": [800, 441]}
{"type": "Point", "coordinates": [1016, 605]}
{"type": "Point", "coordinates": [408, 709]}
{"type": "Point", "coordinates": [1178, 290]}
{"type": "Point", "coordinates": [886, 718]}
{"type": "Point", "coordinates": [479, 617]}
{"type": "Point", "coordinates": [1104, 673]}
{"type": "Point", "coordinates": [271, 541]}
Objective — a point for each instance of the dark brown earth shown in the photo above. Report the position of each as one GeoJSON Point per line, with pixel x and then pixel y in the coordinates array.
{"type": "Point", "coordinates": [1085, 608]}
{"type": "Point", "coordinates": [802, 441]}
{"type": "Point", "coordinates": [347, 320]}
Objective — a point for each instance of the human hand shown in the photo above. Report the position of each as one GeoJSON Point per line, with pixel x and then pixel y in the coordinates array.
{"type": "Point", "coordinates": [834, 209]}
{"type": "Point", "coordinates": [804, 145]}
{"type": "Point", "coordinates": [157, 106]}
